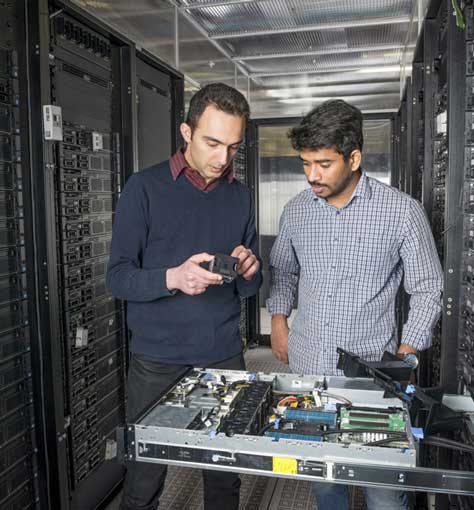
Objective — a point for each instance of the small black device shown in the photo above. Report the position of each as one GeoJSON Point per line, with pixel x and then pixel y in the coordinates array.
{"type": "Point", "coordinates": [222, 264]}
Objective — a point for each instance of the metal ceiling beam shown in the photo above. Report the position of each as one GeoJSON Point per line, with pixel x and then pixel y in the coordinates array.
{"type": "Point", "coordinates": [207, 5]}
{"type": "Point", "coordinates": [368, 80]}
{"type": "Point", "coordinates": [326, 70]}
{"type": "Point", "coordinates": [397, 20]}
{"type": "Point", "coordinates": [301, 99]}
{"type": "Point", "coordinates": [295, 89]}
{"type": "Point", "coordinates": [329, 51]}
{"type": "Point", "coordinates": [202, 31]}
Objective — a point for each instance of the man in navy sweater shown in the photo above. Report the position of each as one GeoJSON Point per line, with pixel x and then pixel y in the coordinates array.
{"type": "Point", "coordinates": [169, 219]}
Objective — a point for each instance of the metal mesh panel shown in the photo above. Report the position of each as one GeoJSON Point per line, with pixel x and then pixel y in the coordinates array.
{"type": "Point", "coordinates": [313, 40]}
{"type": "Point", "coordinates": [271, 108]}
{"type": "Point", "coordinates": [335, 78]}
{"type": "Point", "coordinates": [200, 59]}
{"type": "Point", "coordinates": [334, 61]}
{"type": "Point", "coordinates": [278, 14]}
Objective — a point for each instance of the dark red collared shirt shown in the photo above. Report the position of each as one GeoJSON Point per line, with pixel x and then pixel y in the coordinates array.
{"type": "Point", "coordinates": [179, 165]}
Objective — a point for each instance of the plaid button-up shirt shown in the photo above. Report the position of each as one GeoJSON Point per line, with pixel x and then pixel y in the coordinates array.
{"type": "Point", "coordinates": [346, 266]}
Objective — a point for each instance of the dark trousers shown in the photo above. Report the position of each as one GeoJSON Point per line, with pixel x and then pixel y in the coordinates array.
{"type": "Point", "coordinates": [144, 482]}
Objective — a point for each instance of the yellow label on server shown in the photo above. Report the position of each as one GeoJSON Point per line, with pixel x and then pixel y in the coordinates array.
{"type": "Point", "coordinates": [285, 465]}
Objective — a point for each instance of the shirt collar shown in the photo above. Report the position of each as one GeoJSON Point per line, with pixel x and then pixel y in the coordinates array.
{"type": "Point", "coordinates": [362, 189]}
{"type": "Point", "coordinates": [178, 165]}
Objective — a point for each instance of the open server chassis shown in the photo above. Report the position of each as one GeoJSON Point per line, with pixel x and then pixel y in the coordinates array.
{"type": "Point", "coordinates": [342, 430]}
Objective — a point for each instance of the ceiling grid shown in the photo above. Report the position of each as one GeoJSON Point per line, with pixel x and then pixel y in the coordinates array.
{"type": "Point", "coordinates": [313, 47]}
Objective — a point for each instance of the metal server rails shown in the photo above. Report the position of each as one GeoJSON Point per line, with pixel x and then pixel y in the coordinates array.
{"type": "Point", "coordinates": [402, 177]}
{"type": "Point", "coordinates": [87, 184]}
{"type": "Point", "coordinates": [418, 122]}
{"type": "Point", "coordinates": [18, 467]}
{"type": "Point", "coordinates": [439, 149]}
{"type": "Point", "coordinates": [465, 460]}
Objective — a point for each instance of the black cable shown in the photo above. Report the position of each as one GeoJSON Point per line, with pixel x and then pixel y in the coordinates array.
{"type": "Point", "coordinates": [447, 441]}
{"type": "Point", "coordinates": [242, 382]}
{"type": "Point", "coordinates": [268, 426]}
{"type": "Point", "coordinates": [387, 440]}
{"type": "Point", "coordinates": [448, 444]}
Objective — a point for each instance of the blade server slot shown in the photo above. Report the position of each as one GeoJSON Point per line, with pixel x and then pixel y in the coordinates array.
{"type": "Point", "coordinates": [81, 273]}
{"type": "Point", "coordinates": [97, 331]}
{"type": "Point", "coordinates": [7, 176]}
{"type": "Point", "coordinates": [12, 288]}
{"type": "Point", "coordinates": [13, 343]}
{"type": "Point", "coordinates": [15, 424]}
{"type": "Point", "coordinates": [11, 232]}
{"type": "Point", "coordinates": [14, 479]}
{"type": "Point", "coordinates": [14, 397]}
{"type": "Point", "coordinates": [14, 370]}
{"type": "Point", "coordinates": [21, 499]}
{"type": "Point", "coordinates": [12, 315]}
{"type": "Point", "coordinates": [15, 451]}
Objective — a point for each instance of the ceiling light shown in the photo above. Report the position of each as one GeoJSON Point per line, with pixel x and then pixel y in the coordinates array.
{"type": "Point", "coordinates": [384, 69]}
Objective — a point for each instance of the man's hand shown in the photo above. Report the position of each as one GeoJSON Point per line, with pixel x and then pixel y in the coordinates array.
{"type": "Point", "coordinates": [405, 349]}
{"type": "Point", "coordinates": [190, 277]}
{"type": "Point", "coordinates": [248, 262]}
{"type": "Point", "coordinates": [279, 337]}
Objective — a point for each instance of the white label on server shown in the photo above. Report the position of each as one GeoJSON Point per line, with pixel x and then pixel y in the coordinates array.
{"type": "Point", "coordinates": [97, 141]}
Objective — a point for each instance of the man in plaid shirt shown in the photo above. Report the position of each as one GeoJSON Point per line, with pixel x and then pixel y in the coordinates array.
{"type": "Point", "coordinates": [344, 246]}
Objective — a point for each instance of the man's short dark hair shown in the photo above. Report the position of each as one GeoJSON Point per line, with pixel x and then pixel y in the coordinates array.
{"type": "Point", "coordinates": [221, 96]}
{"type": "Point", "coordinates": [333, 124]}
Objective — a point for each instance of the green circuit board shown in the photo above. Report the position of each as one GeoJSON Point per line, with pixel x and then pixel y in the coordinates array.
{"type": "Point", "coordinates": [363, 419]}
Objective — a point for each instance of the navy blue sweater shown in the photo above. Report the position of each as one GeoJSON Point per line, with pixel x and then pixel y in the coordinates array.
{"type": "Point", "coordinates": [160, 223]}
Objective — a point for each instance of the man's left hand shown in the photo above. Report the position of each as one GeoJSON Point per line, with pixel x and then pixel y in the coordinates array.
{"type": "Point", "coordinates": [248, 262]}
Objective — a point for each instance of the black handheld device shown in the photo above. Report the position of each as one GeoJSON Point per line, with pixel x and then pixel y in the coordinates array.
{"type": "Point", "coordinates": [222, 264]}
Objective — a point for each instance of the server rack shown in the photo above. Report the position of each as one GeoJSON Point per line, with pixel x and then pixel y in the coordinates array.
{"type": "Point", "coordinates": [19, 426]}
{"type": "Point", "coordinates": [462, 216]}
{"type": "Point", "coordinates": [443, 77]}
{"type": "Point", "coordinates": [63, 339]}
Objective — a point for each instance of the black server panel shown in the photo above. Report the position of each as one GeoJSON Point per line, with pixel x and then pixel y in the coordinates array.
{"type": "Point", "coordinates": [418, 124]}
{"type": "Point", "coordinates": [241, 173]}
{"type": "Point", "coordinates": [154, 114]}
{"type": "Point", "coordinates": [18, 462]}
{"type": "Point", "coordinates": [84, 83]}
{"type": "Point", "coordinates": [439, 154]}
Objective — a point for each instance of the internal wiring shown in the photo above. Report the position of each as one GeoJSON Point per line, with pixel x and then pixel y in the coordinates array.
{"type": "Point", "coordinates": [335, 397]}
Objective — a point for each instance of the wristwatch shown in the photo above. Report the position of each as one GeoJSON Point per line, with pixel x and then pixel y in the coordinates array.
{"type": "Point", "coordinates": [411, 359]}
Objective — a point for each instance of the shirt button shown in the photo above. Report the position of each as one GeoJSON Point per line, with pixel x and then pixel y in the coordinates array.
{"type": "Point", "coordinates": [327, 323]}
{"type": "Point", "coordinates": [329, 296]}
{"type": "Point", "coordinates": [333, 266]}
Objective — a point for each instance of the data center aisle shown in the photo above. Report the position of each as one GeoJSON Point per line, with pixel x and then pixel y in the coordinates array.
{"type": "Point", "coordinates": [183, 490]}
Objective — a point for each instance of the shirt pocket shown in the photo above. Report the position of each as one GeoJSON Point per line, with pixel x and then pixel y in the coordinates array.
{"type": "Point", "coordinates": [368, 262]}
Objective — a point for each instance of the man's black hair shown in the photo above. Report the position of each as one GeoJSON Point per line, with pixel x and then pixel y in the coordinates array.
{"type": "Point", "coordinates": [221, 96]}
{"type": "Point", "coordinates": [333, 124]}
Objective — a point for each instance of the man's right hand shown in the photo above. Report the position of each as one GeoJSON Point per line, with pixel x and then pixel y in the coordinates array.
{"type": "Point", "coordinates": [279, 337]}
{"type": "Point", "coordinates": [190, 277]}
